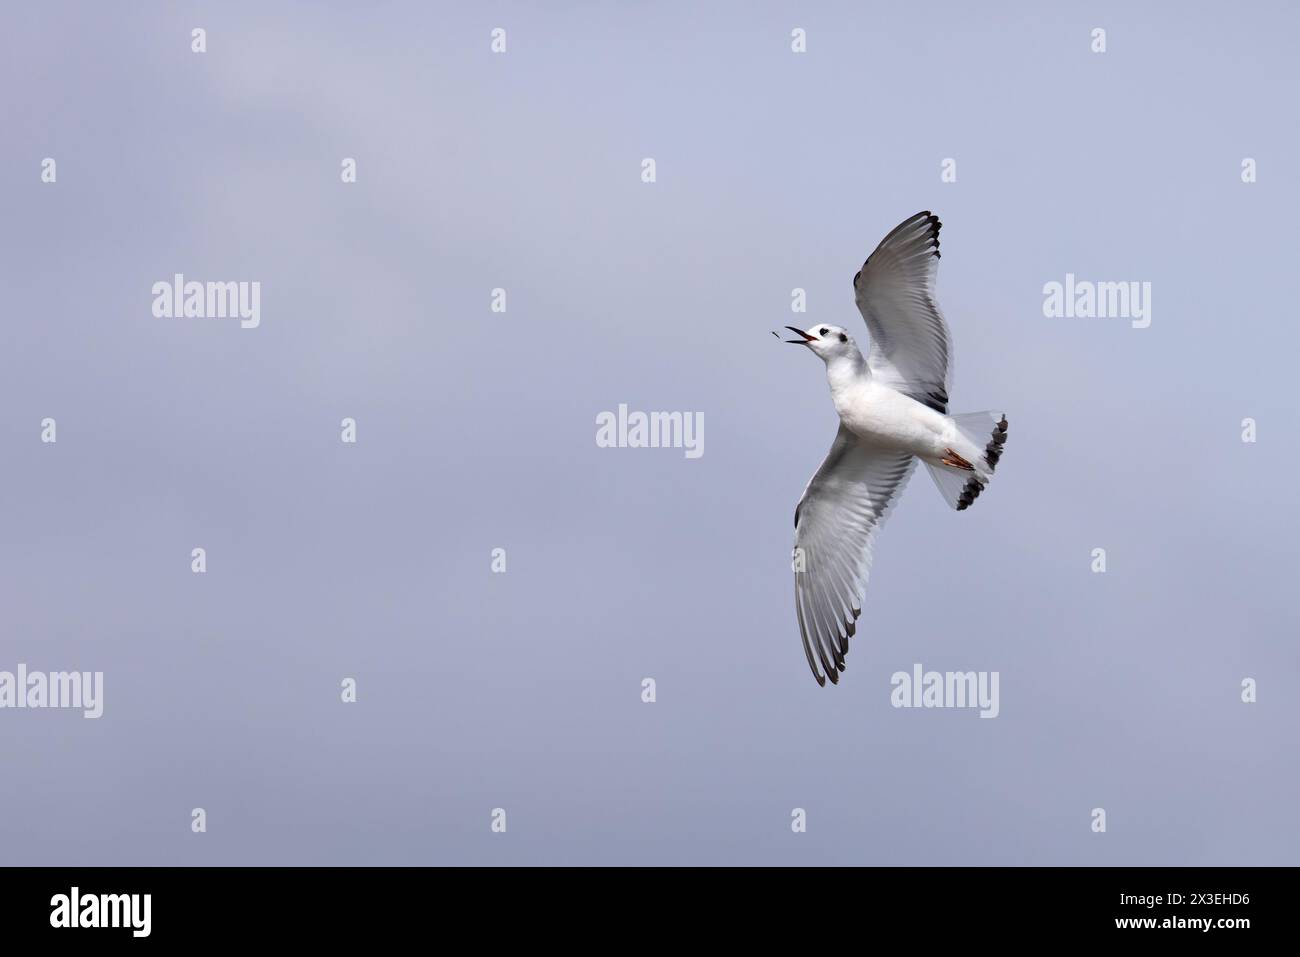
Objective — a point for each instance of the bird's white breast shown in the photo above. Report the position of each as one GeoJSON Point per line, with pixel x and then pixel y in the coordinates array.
{"type": "Point", "coordinates": [879, 414]}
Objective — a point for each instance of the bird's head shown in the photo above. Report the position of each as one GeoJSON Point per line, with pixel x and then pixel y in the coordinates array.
{"type": "Point", "coordinates": [828, 342]}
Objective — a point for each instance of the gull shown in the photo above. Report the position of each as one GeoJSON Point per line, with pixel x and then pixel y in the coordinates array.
{"type": "Point", "coordinates": [893, 408]}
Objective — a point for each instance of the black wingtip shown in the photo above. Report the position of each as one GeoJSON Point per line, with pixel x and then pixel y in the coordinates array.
{"type": "Point", "coordinates": [993, 451]}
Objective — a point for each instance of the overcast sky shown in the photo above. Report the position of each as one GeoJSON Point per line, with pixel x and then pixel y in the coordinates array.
{"type": "Point", "coordinates": [476, 430]}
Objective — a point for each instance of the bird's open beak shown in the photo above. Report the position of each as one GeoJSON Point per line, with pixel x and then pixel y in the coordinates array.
{"type": "Point", "coordinates": [799, 342]}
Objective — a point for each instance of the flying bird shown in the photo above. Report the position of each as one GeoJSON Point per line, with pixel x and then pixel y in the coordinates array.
{"type": "Point", "coordinates": [893, 408]}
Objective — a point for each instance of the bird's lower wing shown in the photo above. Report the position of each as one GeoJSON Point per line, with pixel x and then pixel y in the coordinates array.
{"type": "Point", "coordinates": [835, 524]}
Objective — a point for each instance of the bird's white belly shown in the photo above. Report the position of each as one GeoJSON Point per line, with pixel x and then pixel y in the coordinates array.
{"type": "Point", "coordinates": [878, 414]}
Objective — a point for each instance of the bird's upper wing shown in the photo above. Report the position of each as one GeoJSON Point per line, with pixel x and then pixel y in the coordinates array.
{"type": "Point", "coordinates": [834, 527]}
{"type": "Point", "coordinates": [911, 349]}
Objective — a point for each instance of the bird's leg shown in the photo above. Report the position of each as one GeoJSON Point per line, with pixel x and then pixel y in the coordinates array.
{"type": "Point", "coordinates": [956, 461]}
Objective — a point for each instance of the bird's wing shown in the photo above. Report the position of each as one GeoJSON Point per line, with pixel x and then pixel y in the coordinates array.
{"type": "Point", "coordinates": [834, 527]}
{"type": "Point", "coordinates": [911, 348]}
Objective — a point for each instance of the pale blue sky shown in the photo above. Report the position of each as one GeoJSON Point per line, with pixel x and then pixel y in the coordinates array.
{"type": "Point", "coordinates": [476, 430]}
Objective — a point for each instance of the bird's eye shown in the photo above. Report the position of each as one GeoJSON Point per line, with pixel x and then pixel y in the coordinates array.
{"type": "Point", "coordinates": [823, 331]}
{"type": "Point", "coordinates": [843, 337]}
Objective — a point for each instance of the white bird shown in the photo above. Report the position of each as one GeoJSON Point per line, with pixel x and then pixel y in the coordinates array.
{"type": "Point", "coordinates": [893, 410]}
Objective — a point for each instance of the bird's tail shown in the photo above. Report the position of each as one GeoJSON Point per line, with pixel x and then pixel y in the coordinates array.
{"type": "Point", "coordinates": [981, 437]}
